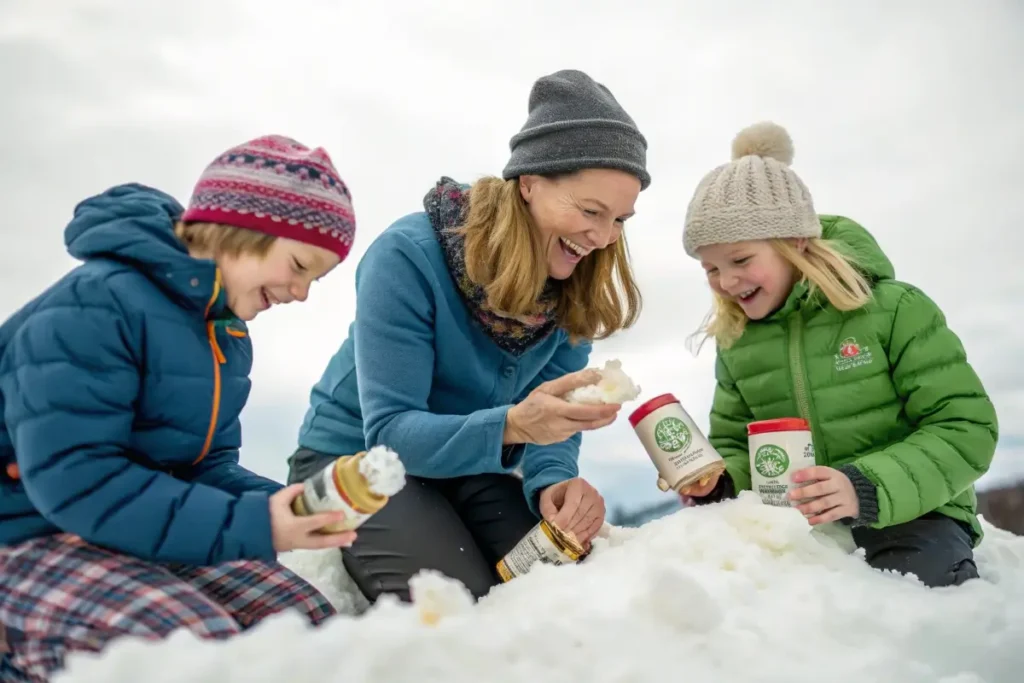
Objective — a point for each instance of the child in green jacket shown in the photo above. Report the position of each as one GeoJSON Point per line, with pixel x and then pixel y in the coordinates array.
{"type": "Point", "coordinates": [810, 322]}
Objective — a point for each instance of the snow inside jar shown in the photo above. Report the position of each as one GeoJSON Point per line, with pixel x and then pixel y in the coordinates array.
{"type": "Point", "coordinates": [358, 485]}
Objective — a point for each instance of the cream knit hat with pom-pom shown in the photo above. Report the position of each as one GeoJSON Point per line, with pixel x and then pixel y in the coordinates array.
{"type": "Point", "coordinates": [756, 196]}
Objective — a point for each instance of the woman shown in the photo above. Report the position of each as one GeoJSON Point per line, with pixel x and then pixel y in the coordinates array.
{"type": "Point", "coordinates": [472, 318]}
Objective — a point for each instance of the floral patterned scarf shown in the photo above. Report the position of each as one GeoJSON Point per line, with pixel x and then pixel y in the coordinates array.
{"type": "Point", "coordinates": [445, 204]}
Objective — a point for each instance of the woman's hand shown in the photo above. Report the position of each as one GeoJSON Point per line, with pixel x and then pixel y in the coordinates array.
{"type": "Point", "coordinates": [291, 532]}
{"type": "Point", "coordinates": [574, 506]}
{"type": "Point", "coordinates": [544, 418]}
{"type": "Point", "coordinates": [829, 498]}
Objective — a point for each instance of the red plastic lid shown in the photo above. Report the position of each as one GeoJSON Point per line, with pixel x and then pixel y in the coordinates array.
{"type": "Point", "coordinates": [647, 408]}
{"type": "Point", "coordinates": [782, 424]}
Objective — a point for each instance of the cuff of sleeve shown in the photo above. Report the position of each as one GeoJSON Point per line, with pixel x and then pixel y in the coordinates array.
{"type": "Point", "coordinates": [258, 544]}
{"type": "Point", "coordinates": [723, 489]}
{"type": "Point", "coordinates": [738, 470]}
{"type": "Point", "coordinates": [867, 497]}
{"type": "Point", "coordinates": [492, 420]}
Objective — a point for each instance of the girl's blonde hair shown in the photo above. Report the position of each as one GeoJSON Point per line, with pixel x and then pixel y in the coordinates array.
{"type": "Point", "coordinates": [214, 238]}
{"type": "Point", "coordinates": [506, 256]}
{"type": "Point", "coordinates": [822, 264]}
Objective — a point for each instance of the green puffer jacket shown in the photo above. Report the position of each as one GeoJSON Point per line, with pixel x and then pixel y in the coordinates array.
{"type": "Point", "coordinates": [901, 409]}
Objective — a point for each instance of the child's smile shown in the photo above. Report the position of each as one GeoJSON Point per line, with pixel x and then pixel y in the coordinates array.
{"type": "Point", "coordinates": [255, 284]}
{"type": "Point", "coordinates": [751, 273]}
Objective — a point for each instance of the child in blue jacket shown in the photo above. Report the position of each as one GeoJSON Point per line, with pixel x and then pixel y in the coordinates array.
{"type": "Point", "coordinates": [123, 507]}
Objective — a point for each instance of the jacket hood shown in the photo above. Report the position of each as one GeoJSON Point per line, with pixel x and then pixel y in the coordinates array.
{"type": "Point", "coordinates": [134, 224]}
{"type": "Point", "coordinates": [859, 244]}
{"type": "Point", "coordinates": [854, 241]}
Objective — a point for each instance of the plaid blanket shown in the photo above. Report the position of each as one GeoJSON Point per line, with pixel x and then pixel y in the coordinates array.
{"type": "Point", "coordinates": [59, 594]}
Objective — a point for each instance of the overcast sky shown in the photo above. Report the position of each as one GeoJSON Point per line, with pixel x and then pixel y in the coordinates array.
{"type": "Point", "coordinates": [907, 117]}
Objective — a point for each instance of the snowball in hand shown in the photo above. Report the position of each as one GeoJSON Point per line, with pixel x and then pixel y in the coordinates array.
{"type": "Point", "coordinates": [615, 387]}
{"type": "Point", "coordinates": [383, 471]}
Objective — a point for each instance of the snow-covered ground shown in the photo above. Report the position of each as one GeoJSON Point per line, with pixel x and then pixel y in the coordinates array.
{"type": "Point", "coordinates": [733, 592]}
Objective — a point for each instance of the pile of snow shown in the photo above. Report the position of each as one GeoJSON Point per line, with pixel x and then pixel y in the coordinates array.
{"type": "Point", "coordinates": [732, 592]}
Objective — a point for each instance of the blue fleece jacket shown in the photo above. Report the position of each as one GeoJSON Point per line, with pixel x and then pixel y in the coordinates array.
{"type": "Point", "coordinates": [121, 387]}
{"type": "Point", "coordinates": [417, 374]}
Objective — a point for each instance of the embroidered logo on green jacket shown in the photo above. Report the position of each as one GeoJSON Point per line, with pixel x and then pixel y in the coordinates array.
{"type": "Point", "coordinates": [852, 355]}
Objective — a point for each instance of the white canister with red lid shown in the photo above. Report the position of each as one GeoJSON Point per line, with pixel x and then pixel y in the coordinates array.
{"type": "Point", "coordinates": [778, 449]}
{"type": "Point", "coordinates": [674, 443]}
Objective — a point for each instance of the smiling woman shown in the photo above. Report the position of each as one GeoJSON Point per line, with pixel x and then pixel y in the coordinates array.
{"type": "Point", "coordinates": [473, 319]}
{"type": "Point", "coordinates": [524, 235]}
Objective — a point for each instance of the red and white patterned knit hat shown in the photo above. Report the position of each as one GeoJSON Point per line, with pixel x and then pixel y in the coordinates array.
{"type": "Point", "coordinates": [278, 186]}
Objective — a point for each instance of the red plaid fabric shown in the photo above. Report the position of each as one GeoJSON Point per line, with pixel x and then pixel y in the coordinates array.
{"type": "Point", "coordinates": [59, 594]}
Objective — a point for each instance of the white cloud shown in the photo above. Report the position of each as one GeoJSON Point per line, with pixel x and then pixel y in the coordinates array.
{"type": "Point", "coordinates": [905, 117]}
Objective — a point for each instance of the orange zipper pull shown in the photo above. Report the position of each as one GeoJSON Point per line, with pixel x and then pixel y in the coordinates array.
{"type": "Point", "coordinates": [211, 332]}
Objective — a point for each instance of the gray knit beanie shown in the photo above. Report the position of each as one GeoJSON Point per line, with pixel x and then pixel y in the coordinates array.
{"type": "Point", "coordinates": [576, 123]}
{"type": "Point", "coordinates": [757, 196]}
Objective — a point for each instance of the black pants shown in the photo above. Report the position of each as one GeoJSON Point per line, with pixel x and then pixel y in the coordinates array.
{"type": "Point", "coordinates": [933, 547]}
{"type": "Point", "coordinates": [461, 527]}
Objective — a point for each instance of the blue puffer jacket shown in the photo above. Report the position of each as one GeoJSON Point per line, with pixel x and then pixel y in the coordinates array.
{"type": "Point", "coordinates": [121, 387]}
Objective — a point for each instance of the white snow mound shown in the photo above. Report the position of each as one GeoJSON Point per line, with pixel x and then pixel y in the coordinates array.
{"type": "Point", "coordinates": [737, 591]}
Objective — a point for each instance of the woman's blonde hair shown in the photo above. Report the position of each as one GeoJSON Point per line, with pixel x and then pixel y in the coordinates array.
{"type": "Point", "coordinates": [506, 255]}
{"type": "Point", "coordinates": [216, 239]}
{"type": "Point", "coordinates": [823, 264]}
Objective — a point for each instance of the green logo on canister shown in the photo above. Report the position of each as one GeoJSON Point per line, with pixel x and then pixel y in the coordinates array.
{"type": "Point", "coordinates": [771, 461]}
{"type": "Point", "coordinates": [671, 434]}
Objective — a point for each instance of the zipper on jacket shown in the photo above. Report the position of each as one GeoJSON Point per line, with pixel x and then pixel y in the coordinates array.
{"type": "Point", "coordinates": [796, 367]}
{"type": "Point", "coordinates": [218, 360]}
{"type": "Point", "coordinates": [800, 390]}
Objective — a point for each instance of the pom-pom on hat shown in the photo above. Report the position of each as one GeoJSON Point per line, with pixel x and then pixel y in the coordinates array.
{"type": "Point", "coordinates": [754, 197]}
{"type": "Point", "coordinates": [278, 186]}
